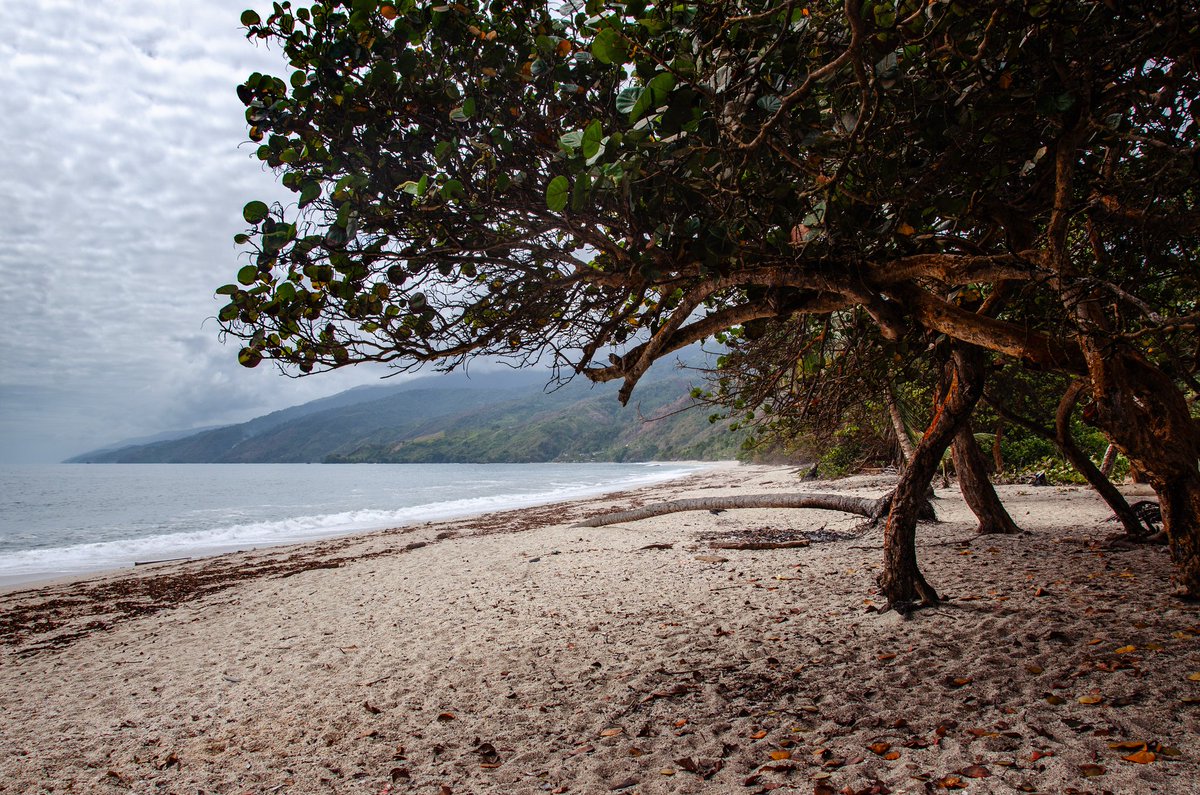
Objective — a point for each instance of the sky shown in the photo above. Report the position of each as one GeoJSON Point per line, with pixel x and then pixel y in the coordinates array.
{"type": "Point", "coordinates": [124, 166]}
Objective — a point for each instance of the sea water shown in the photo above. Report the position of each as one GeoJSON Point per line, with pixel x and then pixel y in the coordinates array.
{"type": "Point", "coordinates": [71, 519]}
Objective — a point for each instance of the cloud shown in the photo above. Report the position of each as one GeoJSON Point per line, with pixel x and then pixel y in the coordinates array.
{"type": "Point", "coordinates": [122, 177]}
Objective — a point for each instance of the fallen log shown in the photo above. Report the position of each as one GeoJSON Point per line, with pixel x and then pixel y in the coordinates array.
{"type": "Point", "coordinates": [862, 506]}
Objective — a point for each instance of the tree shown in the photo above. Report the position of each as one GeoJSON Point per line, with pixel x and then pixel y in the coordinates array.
{"type": "Point", "coordinates": [491, 179]}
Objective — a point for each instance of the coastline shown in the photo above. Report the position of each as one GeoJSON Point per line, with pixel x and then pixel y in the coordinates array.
{"type": "Point", "coordinates": [512, 652]}
{"type": "Point", "coordinates": [103, 544]}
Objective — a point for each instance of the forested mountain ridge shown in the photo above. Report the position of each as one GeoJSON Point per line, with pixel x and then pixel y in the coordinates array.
{"type": "Point", "coordinates": [489, 418]}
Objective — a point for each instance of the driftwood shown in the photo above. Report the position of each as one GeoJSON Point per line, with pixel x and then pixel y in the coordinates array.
{"type": "Point", "coordinates": [152, 562]}
{"type": "Point", "coordinates": [862, 506]}
{"type": "Point", "coordinates": [799, 542]}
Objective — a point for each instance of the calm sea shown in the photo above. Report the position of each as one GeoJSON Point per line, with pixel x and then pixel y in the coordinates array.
{"type": "Point", "coordinates": [66, 520]}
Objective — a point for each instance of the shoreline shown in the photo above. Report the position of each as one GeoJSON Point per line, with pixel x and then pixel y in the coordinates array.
{"type": "Point", "coordinates": [197, 550]}
{"type": "Point", "coordinates": [514, 652]}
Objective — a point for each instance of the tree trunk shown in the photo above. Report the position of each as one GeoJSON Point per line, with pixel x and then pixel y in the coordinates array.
{"type": "Point", "coordinates": [997, 451]}
{"type": "Point", "coordinates": [1110, 460]}
{"type": "Point", "coordinates": [1083, 465]}
{"type": "Point", "coordinates": [1147, 417]}
{"type": "Point", "coordinates": [862, 506]}
{"type": "Point", "coordinates": [1080, 460]}
{"type": "Point", "coordinates": [975, 486]}
{"type": "Point", "coordinates": [898, 426]}
{"type": "Point", "coordinates": [901, 581]}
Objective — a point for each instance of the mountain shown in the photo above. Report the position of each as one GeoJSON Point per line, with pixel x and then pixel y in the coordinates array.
{"type": "Point", "coordinates": [488, 418]}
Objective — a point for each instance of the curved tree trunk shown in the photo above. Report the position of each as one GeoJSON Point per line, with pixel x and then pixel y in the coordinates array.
{"type": "Point", "coordinates": [1079, 459]}
{"type": "Point", "coordinates": [901, 581]}
{"type": "Point", "coordinates": [862, 506]}
{"type": "Point", "coordinates": [975, 486]}
{"type": "Point", "coordinates": [1142, 411]}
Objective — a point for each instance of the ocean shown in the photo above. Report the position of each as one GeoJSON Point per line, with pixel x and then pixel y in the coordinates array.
{"type": "Point", "coordinates": [73, 519]}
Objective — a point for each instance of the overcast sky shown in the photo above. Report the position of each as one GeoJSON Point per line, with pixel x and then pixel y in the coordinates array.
{"type": "Point", "coordinates": [123, 170]}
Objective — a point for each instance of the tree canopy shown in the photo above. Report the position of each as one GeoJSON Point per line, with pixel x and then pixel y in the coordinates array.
{"type": "Point", "coordinates": [628, 178]}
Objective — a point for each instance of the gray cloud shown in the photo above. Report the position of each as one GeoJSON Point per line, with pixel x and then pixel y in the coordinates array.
{"type": "Point", "coordinates": [122, 177]}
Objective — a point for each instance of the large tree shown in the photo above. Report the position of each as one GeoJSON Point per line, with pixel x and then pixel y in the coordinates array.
{"type": "Point", "coordinates": [631, 178]}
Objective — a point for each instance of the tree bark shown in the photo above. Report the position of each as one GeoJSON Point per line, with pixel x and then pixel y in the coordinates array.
{"type": "Point", "coordinates": [862, 506]}
{"type": "Point", "coordinates": [1146, 416]}
{"type": "Point", "coordinates": [898, 426]}
{"type": "Point", "coordinates": [975, 486]}
{"type": "Point", "coordinates": [1078, 459]}
{"type": "Point", "coordinates": [901, 581]}
{"type": "Point", "coordinates": [1110, 460]}
{"type": "Point", "coordinates": [997, 451]}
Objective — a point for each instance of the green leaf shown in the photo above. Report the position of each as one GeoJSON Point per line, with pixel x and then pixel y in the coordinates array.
{"type": "Point", "coordinates": [248, 274]}
{"type": "Point", "coordinates": [628, 98]}
{"type": "Point", "coordinates": [249, 357]}
{"type": "Point", "coordinates": [592, 135]}
{"type": "Point", "coordinates": [558, 193]}
{"type": "Point", "coordinates": [571, 141]}
{"type": "Point", "coordinates": [656, 93]}
{"type": "Point", "coordinates": [609, 47]}
{"type": "Point", "coordinates": [309, 193]}
{"type": "Point", "coordinates": [250, 17]}
{"type": "Point", "coordinates": [227, 289]}
{"type": "Point", "coordinates": [255, 211]}
{"type": "Point", "coordinates": [771, 104]}
{"type": "Point", "coordinates": [453, 189]}
{"type": "Point", "coordinates": [228, 312]}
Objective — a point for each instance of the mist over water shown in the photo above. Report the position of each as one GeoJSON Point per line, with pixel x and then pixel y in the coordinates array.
{"type": "Point", "coordinates": [65, 520]}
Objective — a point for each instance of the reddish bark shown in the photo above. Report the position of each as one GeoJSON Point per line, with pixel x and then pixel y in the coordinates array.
{"type": "Point", "coordinates": [901, 581]}
{"type": "Point", "coordinates": [975, 486]}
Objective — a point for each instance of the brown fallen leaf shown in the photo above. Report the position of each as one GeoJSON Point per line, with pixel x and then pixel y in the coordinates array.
{"type": "Point", "coordinates": [626, 784]}
{"type": "Point", "coordinates": [951, 782]}
{"type": "Point", "coordinates": [1055, 700]}
{"type": "Point", "coordinates": [446, 716]}
{"type": "Point", "coordinates": [583, 749]}
{"type": "Point", "coordinates": [892, 756]}
{"type": "Point", "coordinates": [1091, 698]}
{"type": "Point", "coordinates": [1034, 669]}
{"type": "Point", "coordinates": [1091, 771]}
{"type": "Point", "coordinates": [958, 681]}
{"type": "Point", "coordinates": [612, 731]}
{"type": "Point", "coordinates": [371, 708]}
{"type": "Point", "coordinates": [1141, 757]}
{"type": "Point", "coordinates": [779, 755]}
{"type": "Point", "coordinates": [1128, 745]}
{"type": "Point", "coordinates": [1194, 676]}
{"type": "Point", "coordinates": [1126, 649]}
{"type": "Point", "coordinates": [886, 657]}
{"type": "Point", "coordinates": [975, 771]}
{"type": "Point", "coordinates": [711, 559]}
{"type": "Point", "coordinates": [758, 735]}
{"type": "Point", "coordinates": [879, 748]}
{"type": "Point", "coordinates": [1036, 755]}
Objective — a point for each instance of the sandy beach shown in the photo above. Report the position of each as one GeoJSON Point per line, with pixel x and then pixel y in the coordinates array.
{"type": "Point", "coordinates": [516, 653]}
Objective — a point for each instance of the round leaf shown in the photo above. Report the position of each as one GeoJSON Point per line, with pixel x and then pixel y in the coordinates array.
{"type": "Point", "coordinates": [248, 274]}
{"type": "Point", "coordinates": [250, 17]}
{"type": "Point", "coordinates": [558, 192]}
{"type": "Point", "coordinates": [248, 357]}
{"type": "Point", "coordinates": [255, 211]}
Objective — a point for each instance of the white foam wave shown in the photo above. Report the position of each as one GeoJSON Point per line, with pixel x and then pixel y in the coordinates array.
{"type": "Point", "coordinates": [54, 562]}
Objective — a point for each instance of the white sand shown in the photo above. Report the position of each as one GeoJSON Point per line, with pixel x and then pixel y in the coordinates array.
{"type": "Point", "coordinates": [517, 654]}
